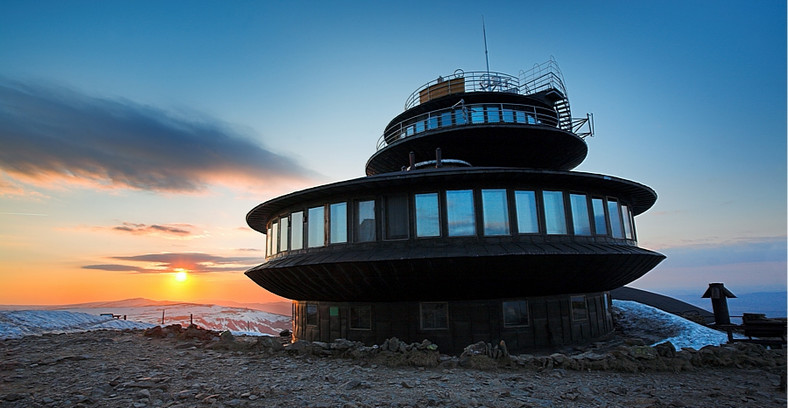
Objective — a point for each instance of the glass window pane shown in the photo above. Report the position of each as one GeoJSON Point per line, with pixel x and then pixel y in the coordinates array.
{"type": "Point", "coordinates": [493, 114]}
{"type": "Point", "coordinates": [420, 124]}
{"type": "Point", "coordinates": [274, 237]}
{"type": "Point", "coordinates": [599, 216]}
{"type": "Point", "coordinates": [519, 116]}
{"type": "Point", "coordinates": [337, 213]}
{"type": "Point", "coordinates": [579, 308]}
{"type": "Point", "coordinates": [525, 203]}
{"type": "Point", "coordinates": [460, 116]}
{"type": "Point", "coordinates": [477, 114]}
{"type": "Point", "coordinates": [615, 219]}
{"type": "Point", "coordinates": [427, 221]}
{"type": "Point", "coordinates": [460, 213]}
{"type": "Point", "coordinates": [311, 314]}
{"type": "Point", "coordinates": [432, 122]}
{"type": "Point", "coordinates": [396, 217]}
{"type": "Point", "coordinates": [297, 230]}
{"type": "Point", "coordinates": [316, 227]}
{"type": "Point", "coordinates": [627, 221]}
{"type": "Point", "coordinates": [283, 234]}
{"type": "Point", "coordinates": [361, 317]}
{"type": "Point", "coordinates": [508, 115]}
{"type": "Point", "coordinates": [495, 212]}
{"type": "Point", "coordinates": [515, 313]}
{"type": "Point", "coordinates": [554, 217]}
{"type": "Point", "coordinates": [434, 315]}
{"type": "Point", "coordinates": [580, 220]}
{"type": "Point", "coordinates": [446, 118]}
{"type": "Point", "coordinates": [268, 242]}
{"type": "Point", "coordinates": [365, 229]}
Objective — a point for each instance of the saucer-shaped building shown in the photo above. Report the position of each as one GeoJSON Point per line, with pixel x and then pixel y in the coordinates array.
{"type": "Point", "coordinates": [469, 226]}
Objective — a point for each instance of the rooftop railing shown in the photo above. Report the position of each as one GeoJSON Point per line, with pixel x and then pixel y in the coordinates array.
{"type": "Point", "coordinates": [463, 114]}
{"type": "Point", "coordinates": [461, 81]}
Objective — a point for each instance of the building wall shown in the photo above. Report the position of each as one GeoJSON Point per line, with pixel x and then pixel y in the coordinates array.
{"type": "Point", "coordinates": [549, 321]}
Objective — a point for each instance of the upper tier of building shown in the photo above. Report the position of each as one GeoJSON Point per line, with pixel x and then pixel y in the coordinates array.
{"type": "Point", "coordinates": [488, 119]}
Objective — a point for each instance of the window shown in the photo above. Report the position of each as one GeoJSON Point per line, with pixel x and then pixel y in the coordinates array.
{"type": "Point", "coordinates": [580, 220]}
{"type": "Point", "coordinates": [361, 317]}
{"type": "Point", "coordinates": [554, 217]}
{"type": "Point", "coordinates": [269, 242]}
{"type": "Point", "coordinates": [525, 204]}
{"type": "Point", "coordinates": [519, 116]}
{"type": "Point", "coordinates": [316, 227]}
{"type": "Point", "coordinates": [579, 308]}
{"type": "Point", "coordinates": [515, 313]}
{"type": "Point", "coordinates": [274, 238]}
{"type": "Point", "coordinates": [427, 221]}
{"type": "Point", "coordinates": [508, 115]}
{"type": "Point", "coordinates": [297, 230]}
{"type": "Point", "coordinates": [627, 221]}
{"type": "Point", "coordinates": [432, 122]}
{"type": "Point", "coordinates": [460, 116]}
{"type": "Point", "coordinates": [446, 118]}
{"type": "Point", "coordinates": [493, 114]}
{"type": "Point", "coordinates": [365, 221]}
{"type": "Point", "coordinates": [434, 315]}
{"type": "Point", "coordinates": [283, 234]}
{"type": "Point", "coordinates": [477, 114]}
{"type": "Point", "coordinates": [600, 226]}
{"type": "Point", "coordinates": [396, 217]}
{"type": "Point", "coordinates": [615, 219]}
{"type": "Point", "coordinates": [460, 213]}
{"type": "Point", "coordinates": [338, 223]}
{"type": "Point", "coordinates": [495, 211]}
{"type": "Point", "coordinates": [311, 314]}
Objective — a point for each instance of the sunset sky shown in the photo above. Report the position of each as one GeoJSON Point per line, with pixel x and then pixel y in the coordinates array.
{"type": "Point", "coordinates": [136, 135]}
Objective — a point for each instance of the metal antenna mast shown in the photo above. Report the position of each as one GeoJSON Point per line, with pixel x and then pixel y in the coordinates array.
{"type": "Point", "coordinates": [486, 58]}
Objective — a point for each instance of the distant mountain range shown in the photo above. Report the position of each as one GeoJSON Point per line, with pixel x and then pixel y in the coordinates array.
{"type": "Point", "coordinates": [266, 318]}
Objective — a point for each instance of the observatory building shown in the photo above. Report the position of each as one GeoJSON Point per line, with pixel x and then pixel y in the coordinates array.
{"type": "Point", "coordinates": [469, 226]}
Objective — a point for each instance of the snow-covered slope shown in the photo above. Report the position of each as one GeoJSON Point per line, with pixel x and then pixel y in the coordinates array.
{"type": "Point", "coordinates": [149, 312]}
{"type": "Point", "coordinates": [15, 324]}
{"type": "Point", "coordinates": [659, 326]}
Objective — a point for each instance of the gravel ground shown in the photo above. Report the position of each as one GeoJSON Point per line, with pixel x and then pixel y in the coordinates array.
{"type": "Point", "coordinates": [127, 369]}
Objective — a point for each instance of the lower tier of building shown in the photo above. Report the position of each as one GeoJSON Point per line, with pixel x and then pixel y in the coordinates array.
{"type": "Point", "coordinates": [524, 324]}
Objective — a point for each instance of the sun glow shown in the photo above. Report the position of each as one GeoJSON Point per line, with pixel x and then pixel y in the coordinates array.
{"type": "Point", "coordinates": [181, 275]}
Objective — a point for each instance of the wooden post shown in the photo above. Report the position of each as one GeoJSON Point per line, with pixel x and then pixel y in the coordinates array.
{"type": "Point", "coordinates": [162, 317]}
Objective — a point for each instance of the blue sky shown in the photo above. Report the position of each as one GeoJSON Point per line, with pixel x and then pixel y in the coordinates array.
{"type": "Point", "coordinates": [132, 128]}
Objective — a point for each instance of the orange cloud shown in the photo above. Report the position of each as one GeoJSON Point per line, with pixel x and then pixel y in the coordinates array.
{"type": "Point", "coordinates": [194, 262]}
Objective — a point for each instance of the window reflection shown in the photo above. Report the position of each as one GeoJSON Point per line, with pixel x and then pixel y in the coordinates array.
{"type": "Point", "coordinates": [554, 217]}
{"type": "Point", "coordinates": [615, 219]}
{"type": "Point", "coordinates": [338, 223]}
{"type": "Point", "coordinates": [460, 116]}
{"type": "Point", "coordinates": [297, 230]}
{"type": "Point", "coordinates": [365, 227]}
{"type": "Point", "coordinates": [460, 213]}
{"type": "Point", "coordinates": [627, 221]}
{"type": "Point", "coordinates": [495, 212]}
{"type": "Point", "coordinates": [600, 226]}
{"type": "Point", "coordinates": [515, 313]}
{"type": "Point", "coordinates": [396, 217]}
{"type": "Point", "coordinates": [274, 237]}
{"type": "Point", "coordinates": [525, 203]}
{"type": "Point", "coordinates": [268, 242]}
{"type": "Point", "coordinates": [427, 221]}
{"type": "Point", "coordinates": [477, 114]}
{"type": "Point", "coordinates": [493, 115]}
{"type": "Point", "coordinates": [580, 220]}
{"type": "Point", "coordinates": [316, 227]}
{"type": "Point", "coordinates": [283, 234]}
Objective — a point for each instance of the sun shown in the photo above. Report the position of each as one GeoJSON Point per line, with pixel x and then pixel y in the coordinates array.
{"type": "Point", "coordinates": [181, 275]}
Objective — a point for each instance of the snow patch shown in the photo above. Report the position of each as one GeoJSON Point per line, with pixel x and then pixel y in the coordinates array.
{"type": "Point", "coordinates": [16, 324]}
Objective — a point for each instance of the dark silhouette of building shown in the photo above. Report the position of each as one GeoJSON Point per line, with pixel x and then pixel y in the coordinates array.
{"type": "Point", "coordinates": [469, 226]}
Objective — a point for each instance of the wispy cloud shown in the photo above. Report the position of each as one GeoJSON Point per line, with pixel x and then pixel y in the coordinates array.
{"type": "Point", "coordinates": [55, 136]}
{"type": "Point", "coordinates": [176, 230]}
{"type": "Point", "coordinates": [194, 262]}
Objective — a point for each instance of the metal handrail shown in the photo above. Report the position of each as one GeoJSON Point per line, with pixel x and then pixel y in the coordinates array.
{"type": "Point", "coordinates": [469, 115]}
{"type": "Point", "coordinates": [542, 77]}
{"type": "Point", "coordinates": [472, 81]}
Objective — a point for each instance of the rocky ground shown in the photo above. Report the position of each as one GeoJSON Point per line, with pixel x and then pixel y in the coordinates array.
{"type": "Point", "coordinates": [185, 368]}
